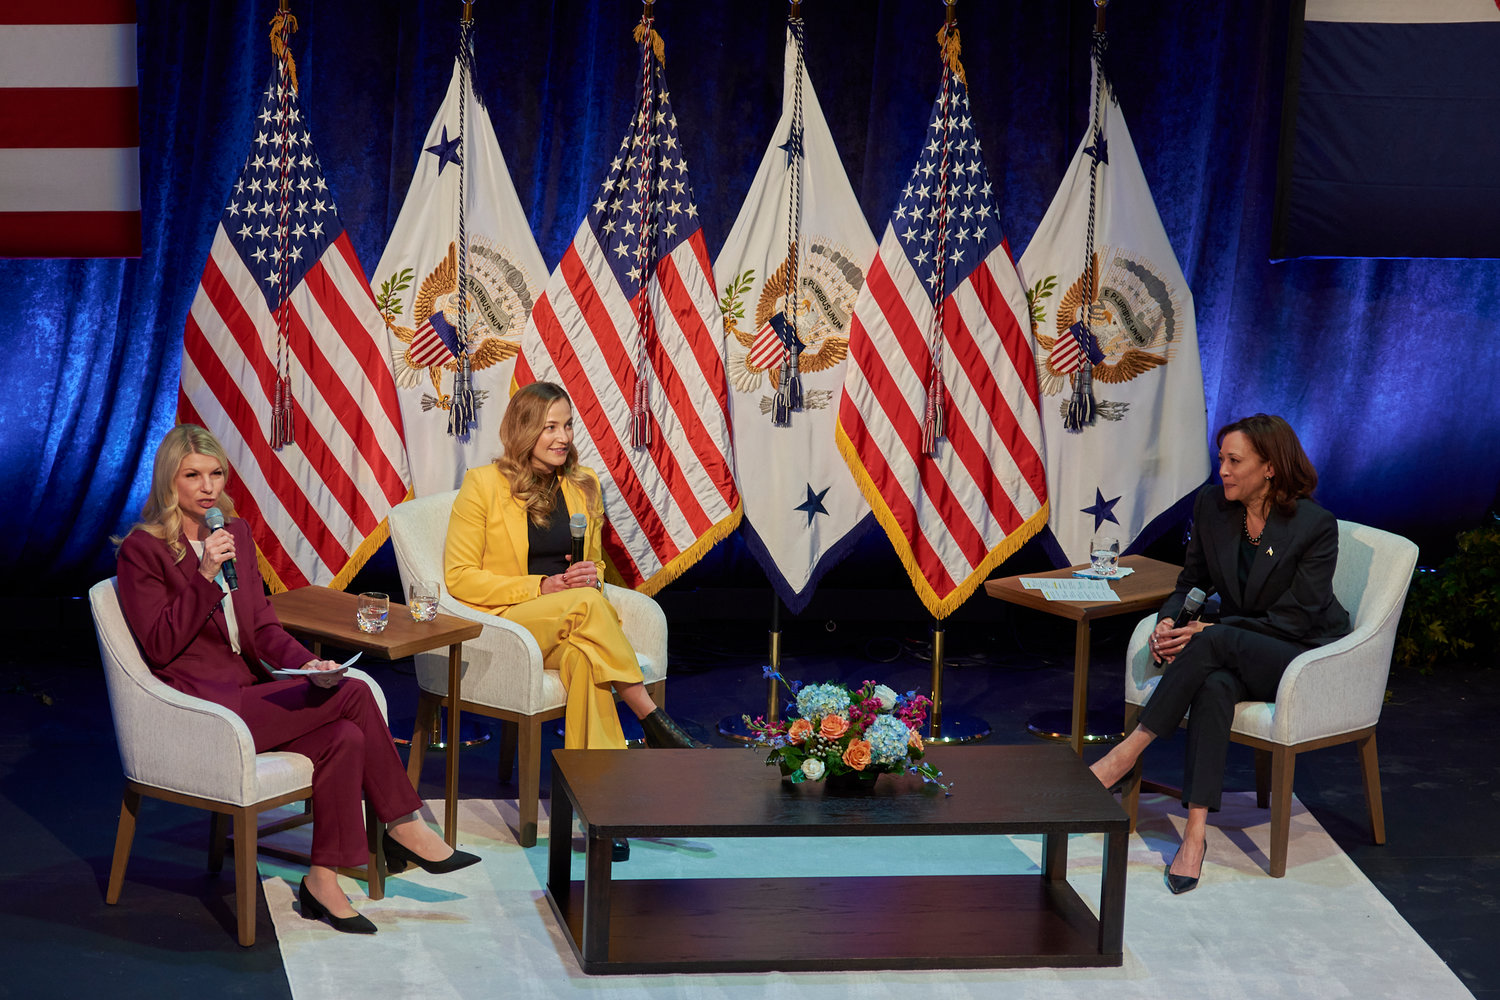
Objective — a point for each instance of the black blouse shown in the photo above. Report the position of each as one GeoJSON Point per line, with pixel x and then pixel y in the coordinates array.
{"type": "Point", "coordinates": [548, 548]}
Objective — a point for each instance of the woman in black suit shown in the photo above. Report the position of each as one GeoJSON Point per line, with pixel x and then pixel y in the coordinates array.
{"type": "Point", "coordinates": [1269, 552]}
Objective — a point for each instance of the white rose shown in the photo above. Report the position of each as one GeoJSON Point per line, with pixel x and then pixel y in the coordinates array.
{"type": "Point", "coordinates": [885, 696]}
{"type": "Point", "coordinates": [812, 769]}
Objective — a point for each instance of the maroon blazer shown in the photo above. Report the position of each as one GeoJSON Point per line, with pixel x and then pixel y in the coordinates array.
{"type": "Point", "coordinates": [175, 616]}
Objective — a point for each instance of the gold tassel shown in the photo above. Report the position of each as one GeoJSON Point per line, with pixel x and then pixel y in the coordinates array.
{"type": "Point", "coordinates": [948, 42]}
{"type": "Point", "coordinates": [279, 49]}
{"type": "Point", "coordinates": [656, 42]}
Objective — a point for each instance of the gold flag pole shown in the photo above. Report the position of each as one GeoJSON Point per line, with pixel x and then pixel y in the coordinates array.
{"type": "Point", "coordinates": [1099, 6]}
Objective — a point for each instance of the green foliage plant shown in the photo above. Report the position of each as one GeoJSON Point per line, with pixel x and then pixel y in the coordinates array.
{"type": "Point", "coordinates": [1453, 613]}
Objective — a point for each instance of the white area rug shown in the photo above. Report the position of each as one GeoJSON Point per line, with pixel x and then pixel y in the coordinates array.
{"type": "Point", "coordinates": [1323, 931]}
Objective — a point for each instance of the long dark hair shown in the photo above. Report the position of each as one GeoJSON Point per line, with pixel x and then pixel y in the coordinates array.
{"type": "Point", "coordinates": [1275, 442]}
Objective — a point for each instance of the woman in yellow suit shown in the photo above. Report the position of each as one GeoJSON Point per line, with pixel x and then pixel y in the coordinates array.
{"type": "Point", "coordinates": [509, 553]}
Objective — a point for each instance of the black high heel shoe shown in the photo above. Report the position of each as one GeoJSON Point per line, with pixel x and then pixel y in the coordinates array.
{"type": "Point", "coordinates": [662, 733]}
{"type": "Point", "coordinates": [314, 910]}
{"type": "Point", "coordinates": [1180, 884]}
{"type": "Point", "coordinates": [399, 858]}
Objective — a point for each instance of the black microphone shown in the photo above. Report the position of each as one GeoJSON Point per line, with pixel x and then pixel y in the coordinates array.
{"type": "Point", "coordinates": [215, 521]}
{"type": "Point", "coordinates": [1192, 607]}
{"type": "Point", "coordinates": [578, 526]}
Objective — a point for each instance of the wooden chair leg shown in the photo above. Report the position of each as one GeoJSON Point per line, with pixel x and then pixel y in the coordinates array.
{"type": "Point", "coordinates": [1262, 778]}
{"type": "Point", "coordinates": [508, 735]}
{"type": "Point", "coordinates": [658, 693]}
{"type": "Point", "coordinates": [1369, 764]}
{"type": "Point", "coordinates": [130, 807]}
{"type": "Point", "coordinates": [427, 706]}
{"type": "Point", "coordinates": [218, 833]}
{"type": "Point", "coordinates": [1283, 765]}
{"type": "Point", "coordinates": [245, 873]}
{"type": "Point", "coordinates": [1131, 798]}
{"type": "Point", "coordinates": [529, 738]}
{"type": "Point", "coordinates": [375, 872]}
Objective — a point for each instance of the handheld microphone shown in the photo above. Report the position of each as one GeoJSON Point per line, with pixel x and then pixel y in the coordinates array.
{"type": "Point", "coordinates": [578, 525]}
{"type": "Point", "coordinates": [215, 521]}
{"type": "Point", "coordinates": [1192, 607]}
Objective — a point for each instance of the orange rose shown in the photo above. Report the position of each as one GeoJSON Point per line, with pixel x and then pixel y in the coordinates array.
{"type": "Point", "coordinates": [858, 754]}
{"type": "Point", "coordinates": [800, 731]}
{"type": "Point", "coordinates": [833, 727]}
{"type": "Point", "coordinates": [914, 740]}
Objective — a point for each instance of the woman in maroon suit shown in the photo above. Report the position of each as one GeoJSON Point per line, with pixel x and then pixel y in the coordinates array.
{"type": "Point", "coordinates": [207, 641]}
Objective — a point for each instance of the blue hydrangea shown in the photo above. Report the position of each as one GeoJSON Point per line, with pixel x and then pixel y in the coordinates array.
{"type": "Point", "coordinates": [888, 738]}
{"type": "Point", "coordinates": [818, 700]}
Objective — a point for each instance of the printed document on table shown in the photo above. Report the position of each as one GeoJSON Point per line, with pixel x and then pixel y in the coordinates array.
{"type": "Point", "coordinates": [1070, 588]}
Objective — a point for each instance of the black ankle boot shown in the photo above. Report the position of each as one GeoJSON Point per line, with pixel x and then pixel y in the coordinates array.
{"type": "Point", "coordinates": [662, 732]}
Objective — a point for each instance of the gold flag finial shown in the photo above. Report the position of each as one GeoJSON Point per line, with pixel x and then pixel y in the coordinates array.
{"type": "Point", "coordinates": [947, 37]}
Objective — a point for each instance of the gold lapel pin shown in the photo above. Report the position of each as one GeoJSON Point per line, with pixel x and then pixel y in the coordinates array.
{"type": "Point", "coordinates": [1270, 551]}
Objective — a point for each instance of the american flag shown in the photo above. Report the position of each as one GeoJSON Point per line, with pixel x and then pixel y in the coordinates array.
{"type": "Point", "coordinates": [958, 485]}
{"type": "Point", "coordinates": [317, 506]}
{"type": "Point", "coordinates": [70, 135]}
{"type": "Point", "coordinates": [629, 324]}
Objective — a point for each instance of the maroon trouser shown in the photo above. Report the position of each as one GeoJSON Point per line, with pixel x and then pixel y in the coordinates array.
{"type": "Point", "coordinates": [342, 731]}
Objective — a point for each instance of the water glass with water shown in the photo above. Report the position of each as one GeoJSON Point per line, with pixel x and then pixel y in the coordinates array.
{"type": "Point", "coordinates": [422, 600]}
{"type": "Point", "coordinates": [374, 608]}
{"type": "Point", "coordinates": [1104, 555]}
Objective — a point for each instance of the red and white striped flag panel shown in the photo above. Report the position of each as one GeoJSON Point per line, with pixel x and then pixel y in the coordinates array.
{"type": "Point", "coordinates": [951, 465]}
{"type": "Point", "coordinates": [951, 513]}
{"type": "Point", "coordinates": [664, 500]}
{"type": "Point", "coordinates": [630, 326]}
{"type": "Point", "coordinates": [315, 506]}
{"type": "Point", "coordinates": [70, 135]}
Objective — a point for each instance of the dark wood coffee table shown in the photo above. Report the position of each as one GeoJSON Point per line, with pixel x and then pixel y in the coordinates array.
{"type": "Point", "coordinates": [720, 923]}
{"type": "Point", "coordinates": [1144, 590]}
{"type": "Point", "coordinates": [322, 614]}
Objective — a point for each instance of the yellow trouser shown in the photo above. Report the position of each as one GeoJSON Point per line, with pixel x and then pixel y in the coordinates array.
{"type": "Point", "coordinates": [579, 634]}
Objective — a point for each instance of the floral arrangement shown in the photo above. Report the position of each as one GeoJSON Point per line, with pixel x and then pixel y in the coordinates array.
{"type": "Point", "coordinates": [839, 731]}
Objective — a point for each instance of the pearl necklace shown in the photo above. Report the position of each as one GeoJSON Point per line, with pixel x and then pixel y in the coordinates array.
{"type": "Point", "coordinates": [1252, 539]}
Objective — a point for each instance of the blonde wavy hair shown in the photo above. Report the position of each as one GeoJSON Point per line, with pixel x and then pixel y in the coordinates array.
{"type": "Point", "coordinates": [160, 517]}
{"type": "Point", "coordinates": [520, 429]}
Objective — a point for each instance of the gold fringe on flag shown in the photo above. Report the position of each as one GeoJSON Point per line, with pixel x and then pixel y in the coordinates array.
{"type": "Point", "coordinates": [282, 26]}
{"type": "Point", "coordinates": [947, 38]}
{"type": "Point", "coordinates": [656, 43]}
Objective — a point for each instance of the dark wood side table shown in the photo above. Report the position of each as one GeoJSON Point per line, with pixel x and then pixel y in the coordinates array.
{"type": "Point", "coordinates": [714, 921]}
{"type": "Point", "coordinates": [322, 614]}
{"type": "Point", "coordinates": [1142, 591]}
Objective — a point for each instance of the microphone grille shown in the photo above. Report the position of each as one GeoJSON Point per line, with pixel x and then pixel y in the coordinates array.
{"type": "Point", "coordinates": [214, 518]}
{"type": "Point", "coordinates": [578, 524]}
{"type": "Point", "coordinates": [1194, 599]}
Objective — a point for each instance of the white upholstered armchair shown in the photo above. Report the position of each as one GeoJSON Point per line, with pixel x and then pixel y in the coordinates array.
{"type": "Point", "coordinates": [184, 749]}
{"type": "Point", "coordinates": [502, 674]}
{"type": "Point", "coordinates": [1329, 695]}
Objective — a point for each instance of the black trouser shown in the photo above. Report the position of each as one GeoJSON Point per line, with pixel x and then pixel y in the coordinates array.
{"type": "Point", "coordinates": [1219, 666]}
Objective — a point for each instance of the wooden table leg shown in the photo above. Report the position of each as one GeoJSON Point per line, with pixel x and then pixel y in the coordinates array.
{"type": "Point", "coordinates": [450, 789]}
{"type": "Point", "coordinates": [1112, 895]}
{"type": "Point", "coordinates": [1080, 686]}
{"type": "Point", "coordinates": [1055, 857]}
{"type": "Point", "coordinates": [597, 865]}
{"type": "Point", "coordinates": [560, 844]}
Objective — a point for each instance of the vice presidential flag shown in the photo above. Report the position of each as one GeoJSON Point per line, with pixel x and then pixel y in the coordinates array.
{"type": "Point", "coordinates": [629, 323]}
{"type": "Point", "coordinates": [432, 333]}
{"type": "Point", "coordinates": [284, 359]}
{"type": "Point", "coordinates": [70, 176]}
{"type": "Point", "coordinates": [939, 419]}
{"type": "Point", "coordinates": [1130, 308]}
{"type": "Point", "coordinates": [793, 266]}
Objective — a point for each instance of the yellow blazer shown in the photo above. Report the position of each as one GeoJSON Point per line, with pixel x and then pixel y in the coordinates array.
{"type": "Point", "coordinates": [484, 560]}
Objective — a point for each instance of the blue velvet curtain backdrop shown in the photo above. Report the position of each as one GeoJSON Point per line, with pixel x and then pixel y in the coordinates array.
{"type": "Point", "coordinates": [1387, 368]}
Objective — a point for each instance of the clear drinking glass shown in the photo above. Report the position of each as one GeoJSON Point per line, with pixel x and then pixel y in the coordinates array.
{"type": "Point", "coordinates": [374, 608]}
{"type": "Point", "coordinates": [1104, 554]}
{"type": "Point", "coordinates": [422, 600]}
